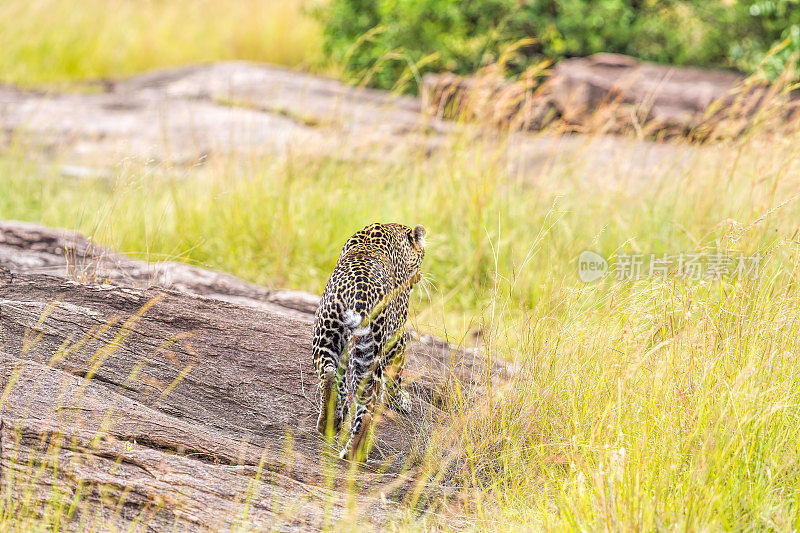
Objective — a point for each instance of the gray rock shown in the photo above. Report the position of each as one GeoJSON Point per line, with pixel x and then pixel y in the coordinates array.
{"type": "Point", "coordinates": [610, 93]}
{"type": "Point", "coordinates": [183, 115]}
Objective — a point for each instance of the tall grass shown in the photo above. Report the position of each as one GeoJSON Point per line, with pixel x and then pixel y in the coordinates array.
{"type": "Point", "coordinates": [665, 406]}
{"type": "Point", "coordinates": [281, 221]}
{"type": "Point", "coordinates": [45, 41]}
{"type": "Point", "coordinates": [663, 403]}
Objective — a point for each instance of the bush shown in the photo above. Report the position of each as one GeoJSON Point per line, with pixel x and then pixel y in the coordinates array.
{"type": "Point", "coordinates": [390, 43]}
{"type": "Point", "coordinates": [769, 38]}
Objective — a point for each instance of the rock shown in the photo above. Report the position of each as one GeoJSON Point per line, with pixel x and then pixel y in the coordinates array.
{"type": "Point", "coordinates": [190, 115]}
{"type": "Point", "coordinates": [486, 98]}
{"type": "Point", "coordinates": [610, 93]}
{"type": "Point", "coordinates": [31, 248]}
{"type": "Point", "coordinates": [180, 116]}
{"type": "Point", "coordinates": [167, 399]}
{"type": "Point", "coordinates": [617, 92]}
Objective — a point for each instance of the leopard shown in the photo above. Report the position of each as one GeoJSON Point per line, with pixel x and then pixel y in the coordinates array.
{"type": "Point", "coordinates": [359, 339]}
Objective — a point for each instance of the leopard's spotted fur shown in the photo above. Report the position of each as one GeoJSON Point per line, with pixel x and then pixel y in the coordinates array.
{"type": "Point", "coordinates": [359, 343]}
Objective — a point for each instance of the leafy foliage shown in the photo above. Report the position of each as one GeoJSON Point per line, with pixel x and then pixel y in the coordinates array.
{"type": "Point", "coordinates": [772, 40]}
{"type": "Point", "coordinates": [389, 43]}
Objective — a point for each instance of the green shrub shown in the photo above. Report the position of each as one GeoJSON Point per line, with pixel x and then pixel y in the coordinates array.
{"type": "Point", "coordinates": [769, 38]}
{"type": "Point", "coordinates": [390, 43]}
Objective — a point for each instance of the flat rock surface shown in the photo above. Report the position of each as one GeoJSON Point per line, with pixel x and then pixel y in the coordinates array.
{"type": "Point", "coordinates": [187, 114]}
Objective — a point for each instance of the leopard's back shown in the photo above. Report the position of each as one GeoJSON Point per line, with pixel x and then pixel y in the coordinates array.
{"type": "Point", "coordinates": [375, 261]}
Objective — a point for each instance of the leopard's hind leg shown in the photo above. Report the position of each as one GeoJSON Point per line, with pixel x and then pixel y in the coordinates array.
{"type": "Point", "coordinates": [330, 360]}
{"type": "Point", "coordinates": [390, 374]}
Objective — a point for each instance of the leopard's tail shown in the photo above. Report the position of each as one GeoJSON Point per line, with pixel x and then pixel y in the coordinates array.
{"type": "Point", "coordinates": [364, 344]}
{"type": "Point", "coordinates": [362, 333]}
{"type": "Point", "coordinates": [334, 379]}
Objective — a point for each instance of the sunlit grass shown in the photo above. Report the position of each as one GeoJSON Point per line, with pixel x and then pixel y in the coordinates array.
{"type": "Point", "coordinates": [45, 41]}
{"type": "Point", "coordinates": [652, 405]}
{"type": "Point", "coordinates": [647, 405]}
{"type": "Point", "coordinates": [281, 221]}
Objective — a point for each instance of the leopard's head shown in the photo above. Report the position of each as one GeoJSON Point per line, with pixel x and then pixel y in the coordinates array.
{"type": "Point", "coordinates": [412, 249]}
{"type": "Point", "coordinates": [404, 247]}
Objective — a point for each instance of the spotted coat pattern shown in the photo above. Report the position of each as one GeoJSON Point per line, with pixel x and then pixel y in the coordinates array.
{"type": "Point", "coordinates": [359, 343]}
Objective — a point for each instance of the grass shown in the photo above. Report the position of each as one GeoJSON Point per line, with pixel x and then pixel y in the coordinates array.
{"type": "Point", "coordinates": [281, 222]}
{"type": "Point", "coordinates": [656, 404]}
{"type": "Point", "coordinates": [51, 41]}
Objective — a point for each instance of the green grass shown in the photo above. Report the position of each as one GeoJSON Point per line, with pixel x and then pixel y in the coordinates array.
{"type": "Point", "coordinates": [47, 41]}
{"type": "Point", "coordinates": [657, 404]}
{"type": "Point", "coordinates": [649, 405]}
{"type": "Point", "coordinates": [281, 222]}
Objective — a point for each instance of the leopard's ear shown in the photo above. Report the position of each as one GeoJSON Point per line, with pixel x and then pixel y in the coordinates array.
{"type": "Point", "coordinates": [419, 237]}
